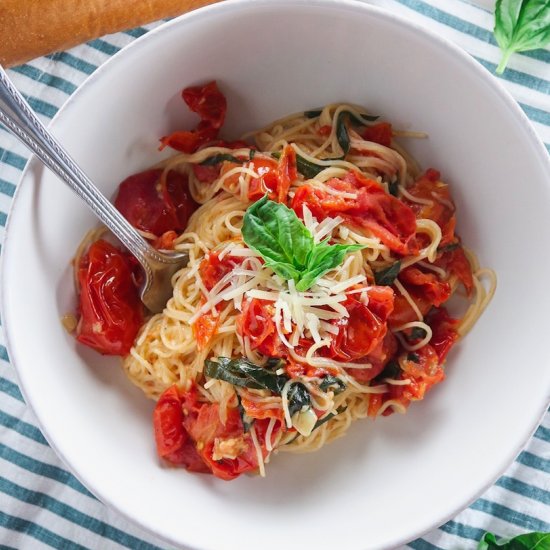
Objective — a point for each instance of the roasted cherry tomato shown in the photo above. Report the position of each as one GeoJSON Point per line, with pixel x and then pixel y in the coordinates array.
{"type": "Point", "coordinates": [275, 178]}
{"type": "Point", "coordinates": [173, 442]}
{"type": "Point", "coordinates": [456, 262]}
{"type": "Point", "coordinates": [385, 216]}
{"type": "Point", "coordinates": [210, 104]}
{"type": "Point", "coordinates": [155, 204]}
{"type": "Point", "coordinates": [212, 269]}
{"type": "Point", "coordinates": [204, 329]}
{"type": "Point", "coordinates": [256, 323]}
{"type": "Point", "coordinates": [223, 449]}
{"type": "Point", "coordinates": [111, 311]}
{"type": "Point", "coordinates": [425, 289]}
{"type": "Point", "coordinates": [439, 208]}
{"type": "Point", "coordinates": [444, 329]}
{"type": "Point", "coordinates": [379, 133]}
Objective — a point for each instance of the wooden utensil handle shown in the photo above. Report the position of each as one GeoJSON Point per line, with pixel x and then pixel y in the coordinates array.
{"type": "Point", "coordinates": [31, 28]}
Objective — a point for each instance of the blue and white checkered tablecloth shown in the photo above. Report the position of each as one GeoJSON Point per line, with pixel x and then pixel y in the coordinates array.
{"type": "Point", "coordinates": [43, 505]}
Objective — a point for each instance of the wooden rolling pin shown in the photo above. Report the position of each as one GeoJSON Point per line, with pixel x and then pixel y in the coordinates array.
{"type": "Point", "coordinates": [31, 28]}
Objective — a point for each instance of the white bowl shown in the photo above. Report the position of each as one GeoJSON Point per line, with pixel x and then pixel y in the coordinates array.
{"type": "Point", "coordinates": [388, 481]}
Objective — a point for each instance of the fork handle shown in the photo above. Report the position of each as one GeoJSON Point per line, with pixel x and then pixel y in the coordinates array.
{"type": "Point", "coordinates": [20, 120]}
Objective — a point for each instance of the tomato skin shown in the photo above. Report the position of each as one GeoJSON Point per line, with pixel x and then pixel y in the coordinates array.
{"type": "Point", "coordinates": [426, 284]}
{"type": "Point", "coordinates": [202, 423]}
{"type": "Point", "coordinates": [172, 440]}
{"type": "Point", "coordinates": [256, 323]}
{"type": "Point", "coordinates": [275, 178]}
{"type": "Point", "coordinates": [444, 332]}
{"type": "Point", "coordinates": [378, 358]}
{"type": "Point", "coordinates": [155, 206]}
{"type": "Point", "coordinates": [111, 312]}
{"type": "Point", "coordinates": [212, 269]}
{"type": "Point", "coordinates": [254, 410]}
{"type": "Point", "coordinates": [268, 181]}
{"type": "Point", "coordinates": [166, 241]}
{"type": "Point", "coordinates": [204, 329]}
{"type": "Point", "coordinates": [170, 435]}
{"type": "Point", "coordinates": [456, 262]}
{"type": "Point", "coordinates": [388, 218]}
{"type": "Point", "coordinates": [210, 104]}
{"type": "Point", "coordinates": [364, 333]}
{"type": "Point", "coordinates": [379, 133]}
{"type": "Point", "coordinates": [359, 333]}
{"type": "Point", "coordinates": [441, 210]}
{"type": "Point", "coordinates": [287, 172]}
{"type": "Point", "coordinates": [426, 289]}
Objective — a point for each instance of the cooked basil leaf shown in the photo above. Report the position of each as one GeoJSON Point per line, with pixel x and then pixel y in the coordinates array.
{"type": "Point", "coordinates": [386, 277]}
{"type": "Point", "coordinates": [391, 370]}
{"type": "Point", "coordinates": [448, 247]}
{"type": "Point", "coordinates": [313, 113]}
{"type": "Point", "coordinates": [417, 333]}
{"type": "Point", "coordinates": [521, 25]}
{"type": "Point", "coordinates": [276, 233]}
{"type": "Point", "coordinates": [245, 374]}
{"type": "Point", "coordinates": [393, 188]}
{"type": "Point", "coordinates": [308, 169]}
{"type": "Point", "coordinates": [342, 134]}
{"type": "Point", "coordinates": [245, 419]}
{"type": "Point", "coordinates": [332, 383]}
{"type": "Point", "coordinates": [216, 159]}
{"type": "Point", "coordinates": [251, 154]}
{"type": "Point", "coordinates": [527, 541]}
{"type": "Point", "coordinates": [298, 398]}
{"type": "Point", "coordinates": [330, 416]}
{"type": "Point", "coordinates": [413, 357]}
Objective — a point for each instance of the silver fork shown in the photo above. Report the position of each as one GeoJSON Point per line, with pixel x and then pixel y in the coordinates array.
{"type": "Point", "coordinates": [20, 120]}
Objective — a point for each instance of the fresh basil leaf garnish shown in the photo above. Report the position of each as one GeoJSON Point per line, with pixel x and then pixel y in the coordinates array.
{"type": "Point", "coordinates": [521, 25]}
{"type": "Point", "coordinates": [386, 277]}
{"type": "Point", "coordinates": [527, 541]}
{"type": "Point", "coordinates": [216, 159]}
{"type": "Point", "coordinates": [323, 258]}
{"type": "Point", "coordinates": [333, 383]}
{"type": "Point", "coordinates": [276, 233]}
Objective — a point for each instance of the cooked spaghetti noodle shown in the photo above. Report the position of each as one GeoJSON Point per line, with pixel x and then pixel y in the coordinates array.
{"type": "Point", "coordinates": [366, 338]}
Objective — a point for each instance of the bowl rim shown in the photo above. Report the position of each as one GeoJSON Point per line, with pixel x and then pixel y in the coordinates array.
{"type": "Point", "coordinates": [187, 18]}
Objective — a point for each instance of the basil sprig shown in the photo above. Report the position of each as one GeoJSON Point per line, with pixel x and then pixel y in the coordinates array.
{"type": "Point", "coordinates": [527, 541]}
{"type": "Point", "coordinates": [276, 233]}
{"type": "Point", "coordinates": [521, 25]}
